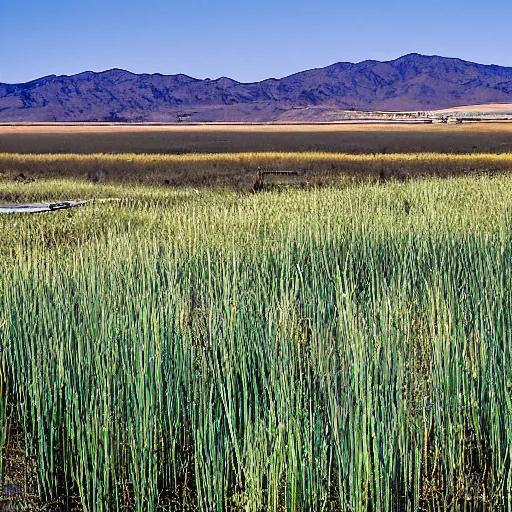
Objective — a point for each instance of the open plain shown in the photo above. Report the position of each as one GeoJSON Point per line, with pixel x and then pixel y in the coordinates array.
{"type": "Point", "coordinates": [229, 155]}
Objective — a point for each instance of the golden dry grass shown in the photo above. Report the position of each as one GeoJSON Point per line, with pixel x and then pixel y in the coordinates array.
{"type": "Point", "coordinates": [237, 169]}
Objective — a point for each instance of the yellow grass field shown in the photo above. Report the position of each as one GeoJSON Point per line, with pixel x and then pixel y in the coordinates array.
{"type": "Point", "coordinates": [236, 170]}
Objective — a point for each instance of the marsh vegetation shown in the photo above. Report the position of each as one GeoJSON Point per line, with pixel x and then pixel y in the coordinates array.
{"type": "Point", "coordinates": [343, 348]}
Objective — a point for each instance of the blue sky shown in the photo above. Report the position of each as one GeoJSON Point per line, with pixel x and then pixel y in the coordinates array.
{"type": "Point", "coordinates": [247, 41]}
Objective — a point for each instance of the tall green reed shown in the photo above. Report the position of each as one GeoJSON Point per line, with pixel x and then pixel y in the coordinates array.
{"type": "Point", "coordinates": [344, 349]}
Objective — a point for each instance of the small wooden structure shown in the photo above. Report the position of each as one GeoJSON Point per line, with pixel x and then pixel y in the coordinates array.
{"type": "Point", "coordinates": [258, 183]}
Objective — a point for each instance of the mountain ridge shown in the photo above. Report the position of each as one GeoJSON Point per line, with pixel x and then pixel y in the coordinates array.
{"type": "Point", "coordinates": [411, 82]}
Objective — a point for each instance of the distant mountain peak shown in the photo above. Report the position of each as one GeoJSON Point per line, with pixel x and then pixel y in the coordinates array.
{"type": "Point", "coordinates": [411, 82]}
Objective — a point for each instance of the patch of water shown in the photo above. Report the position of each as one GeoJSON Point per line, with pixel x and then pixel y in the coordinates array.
{"type": "Point", "coordinates": [41, 207]}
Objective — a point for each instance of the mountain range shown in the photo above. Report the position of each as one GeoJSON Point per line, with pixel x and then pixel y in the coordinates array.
{"type": "Point", "coordinates": [412, 82]}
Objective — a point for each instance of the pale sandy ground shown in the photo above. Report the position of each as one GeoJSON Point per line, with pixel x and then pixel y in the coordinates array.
{"type": "Point", "coordinates": [247, 128]}
{"type": "Point", "coordinates": [202, 128]}
{"type": "Point", "coordinates": [490, 108]}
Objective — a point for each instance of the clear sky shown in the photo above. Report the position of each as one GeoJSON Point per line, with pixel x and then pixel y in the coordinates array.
{"type": "Point", "coordinates": [247, 41]}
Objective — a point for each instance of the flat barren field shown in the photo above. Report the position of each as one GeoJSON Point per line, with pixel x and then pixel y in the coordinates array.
{"type": "Point", "coordinates": [337, 138]}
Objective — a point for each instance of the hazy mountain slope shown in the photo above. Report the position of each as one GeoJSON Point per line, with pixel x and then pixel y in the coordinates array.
{"type": "Point", "coordinates": [412, 82]}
